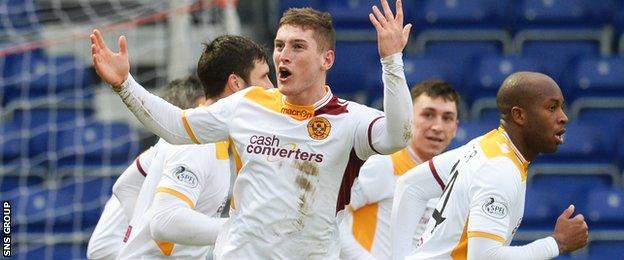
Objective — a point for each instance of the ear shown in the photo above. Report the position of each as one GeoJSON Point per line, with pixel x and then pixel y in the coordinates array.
{"type": "Point", "coordinates": [232, 83]}
{"type": "Point", "coordinates": [328, 59]}
{"type": "Point", "coordinates": [519, 115]}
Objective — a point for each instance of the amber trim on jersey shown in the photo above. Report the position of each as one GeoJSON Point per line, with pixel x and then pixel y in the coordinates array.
{"type": "Point", "coordinates": [237, 160]}
{"type": "Point", "coordinates": [177, 194]}
{"type": "Point", "coordinates": [365, 225]}
{"type": "Point", "coordinates": [496, 143]}
{"type": "Point", "coordinates": [460, 251]}
{"type": "Point", "coordinates": [273, 100]}
{"type": "Point", "coordinates": [435, 174]}
{"type": "Point", "coordinates": [402, 162]}
{"type": "Point", "coordinates": [139, 167]}
{"type": "Point", "coordinates": [486, 235]}
{"type": "Point", "coordinates": [188, 128]}
{"type": "Point", "coordinates": [221, 150]}
{"type": "Point", "coordinates": [165, 247]}
{"type": "Point", "coordinates": [370, 135]}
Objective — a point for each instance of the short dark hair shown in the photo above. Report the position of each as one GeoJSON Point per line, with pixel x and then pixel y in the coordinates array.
{"type": "Point", "coordinates": [319, 22]}
{"type": "Point", "coordinates": [436, 88]}
{"type": "Point", "coordinates": [183, 92]}
{"type": "Point", "coordinates": [225, 55]}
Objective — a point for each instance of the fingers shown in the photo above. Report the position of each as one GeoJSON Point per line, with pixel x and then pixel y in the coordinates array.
{"type": "Point", "coordinates": [406, 32]}
{"type": "Point", "coordinates": [99, 39]}
{"type": "Point", "coordinates": [373, 20]}
{"type": "Point", "coordinates": [387, 11]}
{"type": "Point", "coordinates": [399, 12]}
{"type": "Point", "coordinates": [380, 18]}
{"type": "Point", "coordinates": [567, 212]}
{"type": "Point", "coordinates": [123, 49]}
{"type": "Point", "coordinates": [579, 217]}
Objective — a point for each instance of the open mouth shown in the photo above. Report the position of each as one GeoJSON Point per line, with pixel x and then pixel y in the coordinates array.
{"type": "Point", "coordinates": [283, 73]}
{"type": "Point", "coordinates": [434, 139]}
{"type": "Point", "coordinates": [559, 136]}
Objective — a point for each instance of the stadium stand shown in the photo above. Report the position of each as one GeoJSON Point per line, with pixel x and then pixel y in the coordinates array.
{"type": "Point", "coordinates": [62, 143]}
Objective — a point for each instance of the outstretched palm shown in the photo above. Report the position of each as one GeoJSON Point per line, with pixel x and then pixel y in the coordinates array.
{"type": "Point", "coordinates": [112, 67]}
{"type": "Point", "coordinates": [392, 36]}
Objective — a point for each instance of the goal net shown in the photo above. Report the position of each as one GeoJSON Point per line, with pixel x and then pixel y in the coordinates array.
{"type": "Point", "coordinates": [64, 135]}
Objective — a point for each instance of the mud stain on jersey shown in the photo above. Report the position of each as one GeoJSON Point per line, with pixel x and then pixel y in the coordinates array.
{"type": "Point", "coordinates": [306, 180]}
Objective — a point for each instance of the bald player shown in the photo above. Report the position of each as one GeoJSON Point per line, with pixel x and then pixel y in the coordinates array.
{"type": "Point", "coordinates": [484, 183]}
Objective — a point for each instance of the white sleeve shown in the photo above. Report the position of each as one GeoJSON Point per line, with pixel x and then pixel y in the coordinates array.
{"type": "Point", "coordinates": [350, 249]}
{"type": "Point", "coordinates": [493, 193]}
{"type": "Point", "coordinates": [374, 183]}
{"type": "Point", "coordinates": [386, 135]}
{"type": "Point", "coordinates": [176, 222]}
{"type": "Point", "coordinates": [185, 175]}
{"type": "Point", "coordinates": [127, 187]}
{"type": "Point", "coordinates": [413, 190]}
{"type": "Point", "coordinates": [106, 239]}
{"type": "Point", "coordinates": [485, 248]}
{"type": "Point", "coordinates": [177, 126]}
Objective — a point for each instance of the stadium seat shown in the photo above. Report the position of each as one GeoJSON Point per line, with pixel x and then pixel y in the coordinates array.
{"type": "Point", "coordinates": [468, 131]}
{"type": "Point", "coordinates": [18, 15]}
{"type": "Point", "coordinates": [606, 250]}
{"type": "Point", "coordinates": [558, 56]}
{"type": "Point", "coordinates": [596, 76]}
{"type": "Point", "coordinates": [605, 208]}
{"type": "Point", "coordinates": [552, 11]}
{"type": "Point", "coordinates": [491, 71]}
{"type": "Point", "coordinates": [465, 13]}
{"type": "Point", "coordinates": [564, 189]}
{"type": "Point", "coordinates": [96, 144]}
{"type": "Point", "coordinates": [539, 212]}
{"type": "Point", "coordinates": [353, 14]}
{"type": "Point", "coordinates": [582, 143]}
{"type": "Point", "coordinates": [348, 73]}
{"type": "Point", "coordinates": [58, 251]}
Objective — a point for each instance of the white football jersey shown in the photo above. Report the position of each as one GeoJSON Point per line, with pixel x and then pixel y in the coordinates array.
{"type": "Point", "coordinates": [196, 174]}
{"type": "Point", "coordinates": [107, 237]}
{"type": "Point", "coordinates": [484, 197]}
{"type": "Point", "coordinates": [298, 164]}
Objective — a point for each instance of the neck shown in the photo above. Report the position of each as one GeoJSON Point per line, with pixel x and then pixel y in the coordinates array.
{"type": "Point", "coordinates": [307, 98]}
{"type": "Point", "coordinates": [516, 137]}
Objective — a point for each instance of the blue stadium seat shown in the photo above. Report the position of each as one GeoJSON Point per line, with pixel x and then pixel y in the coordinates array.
{"type": "Point", "coordinates": [491, 71]}
{"type": "Point", "coordinates": [59, 251]}
{"type": "Point", "coordinates": [464, 13]}
{"type": "Point", "coordinates": [564, 189]}
{"type": "Point", "coordinates": [348, 73]}
{"type": "Point", "coordinates": [558, 56]}
{"type": "Point", "coordinates": [606, 250]}
{"type": "Point", "coordinates": [539, 211]}
{"type": "Point", "coordinates": [596, 76]}
{"type": "Point", "coordinates": [13, 181]}
{"type": "Point", "coordinates": [605, 208]}
{"type": "Point", "coordinates": [468, 131]}
{"type": "Point", "coordinates": [582, 143]}
{"type": "Point", "coordinates": [96, 144]}
{"type": "Point", "coordinates": [552, 11]}
{"type": "Point", "coordinates": [353, 14]}
{"type": "Point", "coordinates": [18, 15]}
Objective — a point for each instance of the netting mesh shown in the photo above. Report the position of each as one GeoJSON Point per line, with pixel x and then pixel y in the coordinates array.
{"type": "Point", "coordinates": [64, 136]}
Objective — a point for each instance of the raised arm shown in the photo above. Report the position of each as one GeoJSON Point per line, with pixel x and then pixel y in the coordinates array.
{"type": "Point", "coordinates": [156, 114]}
{"type": "Point", "coordinates": [393, 132]}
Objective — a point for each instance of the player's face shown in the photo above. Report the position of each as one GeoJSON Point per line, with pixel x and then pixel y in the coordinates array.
{"type": "Point", "coordinates": [546, 120]}
{"type": "Point", "coordinates": [299, 64]}
{"type": "Point", "coordinates": [259, 75]}
{"type": "Point", "coordinates": [435, 125]}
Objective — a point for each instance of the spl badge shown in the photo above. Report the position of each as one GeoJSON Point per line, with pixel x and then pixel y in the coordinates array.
{"type": "Point", "coordinates": [318, 128]}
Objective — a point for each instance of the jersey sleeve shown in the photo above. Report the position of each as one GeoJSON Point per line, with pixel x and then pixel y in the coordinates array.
{"type": "Point", "coordinates": [413, 191]}
{"type": "Point", "coordinates": [493, 193]}
{"type": "Point", "coordinates": [390, 132]}
{"type": "Point", "coordinates": [375, 182]}
{"type": "Point", "coordinates": [185, 172]}
{"type": "Point", "coordinates": [177, 126]}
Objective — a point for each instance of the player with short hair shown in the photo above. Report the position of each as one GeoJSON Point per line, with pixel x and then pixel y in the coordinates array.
{"type": "Point", "coordinates": [483, 183]}
{"type": "Point", "coordinates": [365, 230]}
{"type": "Point", "coordinates": [250, 69]}
{"type": "Point", "coordinates": [299, 145]}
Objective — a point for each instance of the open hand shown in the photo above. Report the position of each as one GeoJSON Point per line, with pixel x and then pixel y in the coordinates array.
{"type": "Point", "coordinates": [392, 36]}
{"type": "Point", "coordinates": [112, 67]}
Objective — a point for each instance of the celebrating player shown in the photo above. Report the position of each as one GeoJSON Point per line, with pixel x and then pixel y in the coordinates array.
{"type": "Point", "coordinates": [483, 183]}
{"type": "Point", "coordinates": [220, 76]}
{"type": "Point", "coordinates": [299, 145]}
{"type": "Point", "coordinates": [365, 231]}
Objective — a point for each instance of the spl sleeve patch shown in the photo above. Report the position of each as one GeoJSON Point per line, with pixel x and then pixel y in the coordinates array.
{"type": "Point", "coordinates": [494, 208]}
{"type": "Point", "coordinates": [184, 176]}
